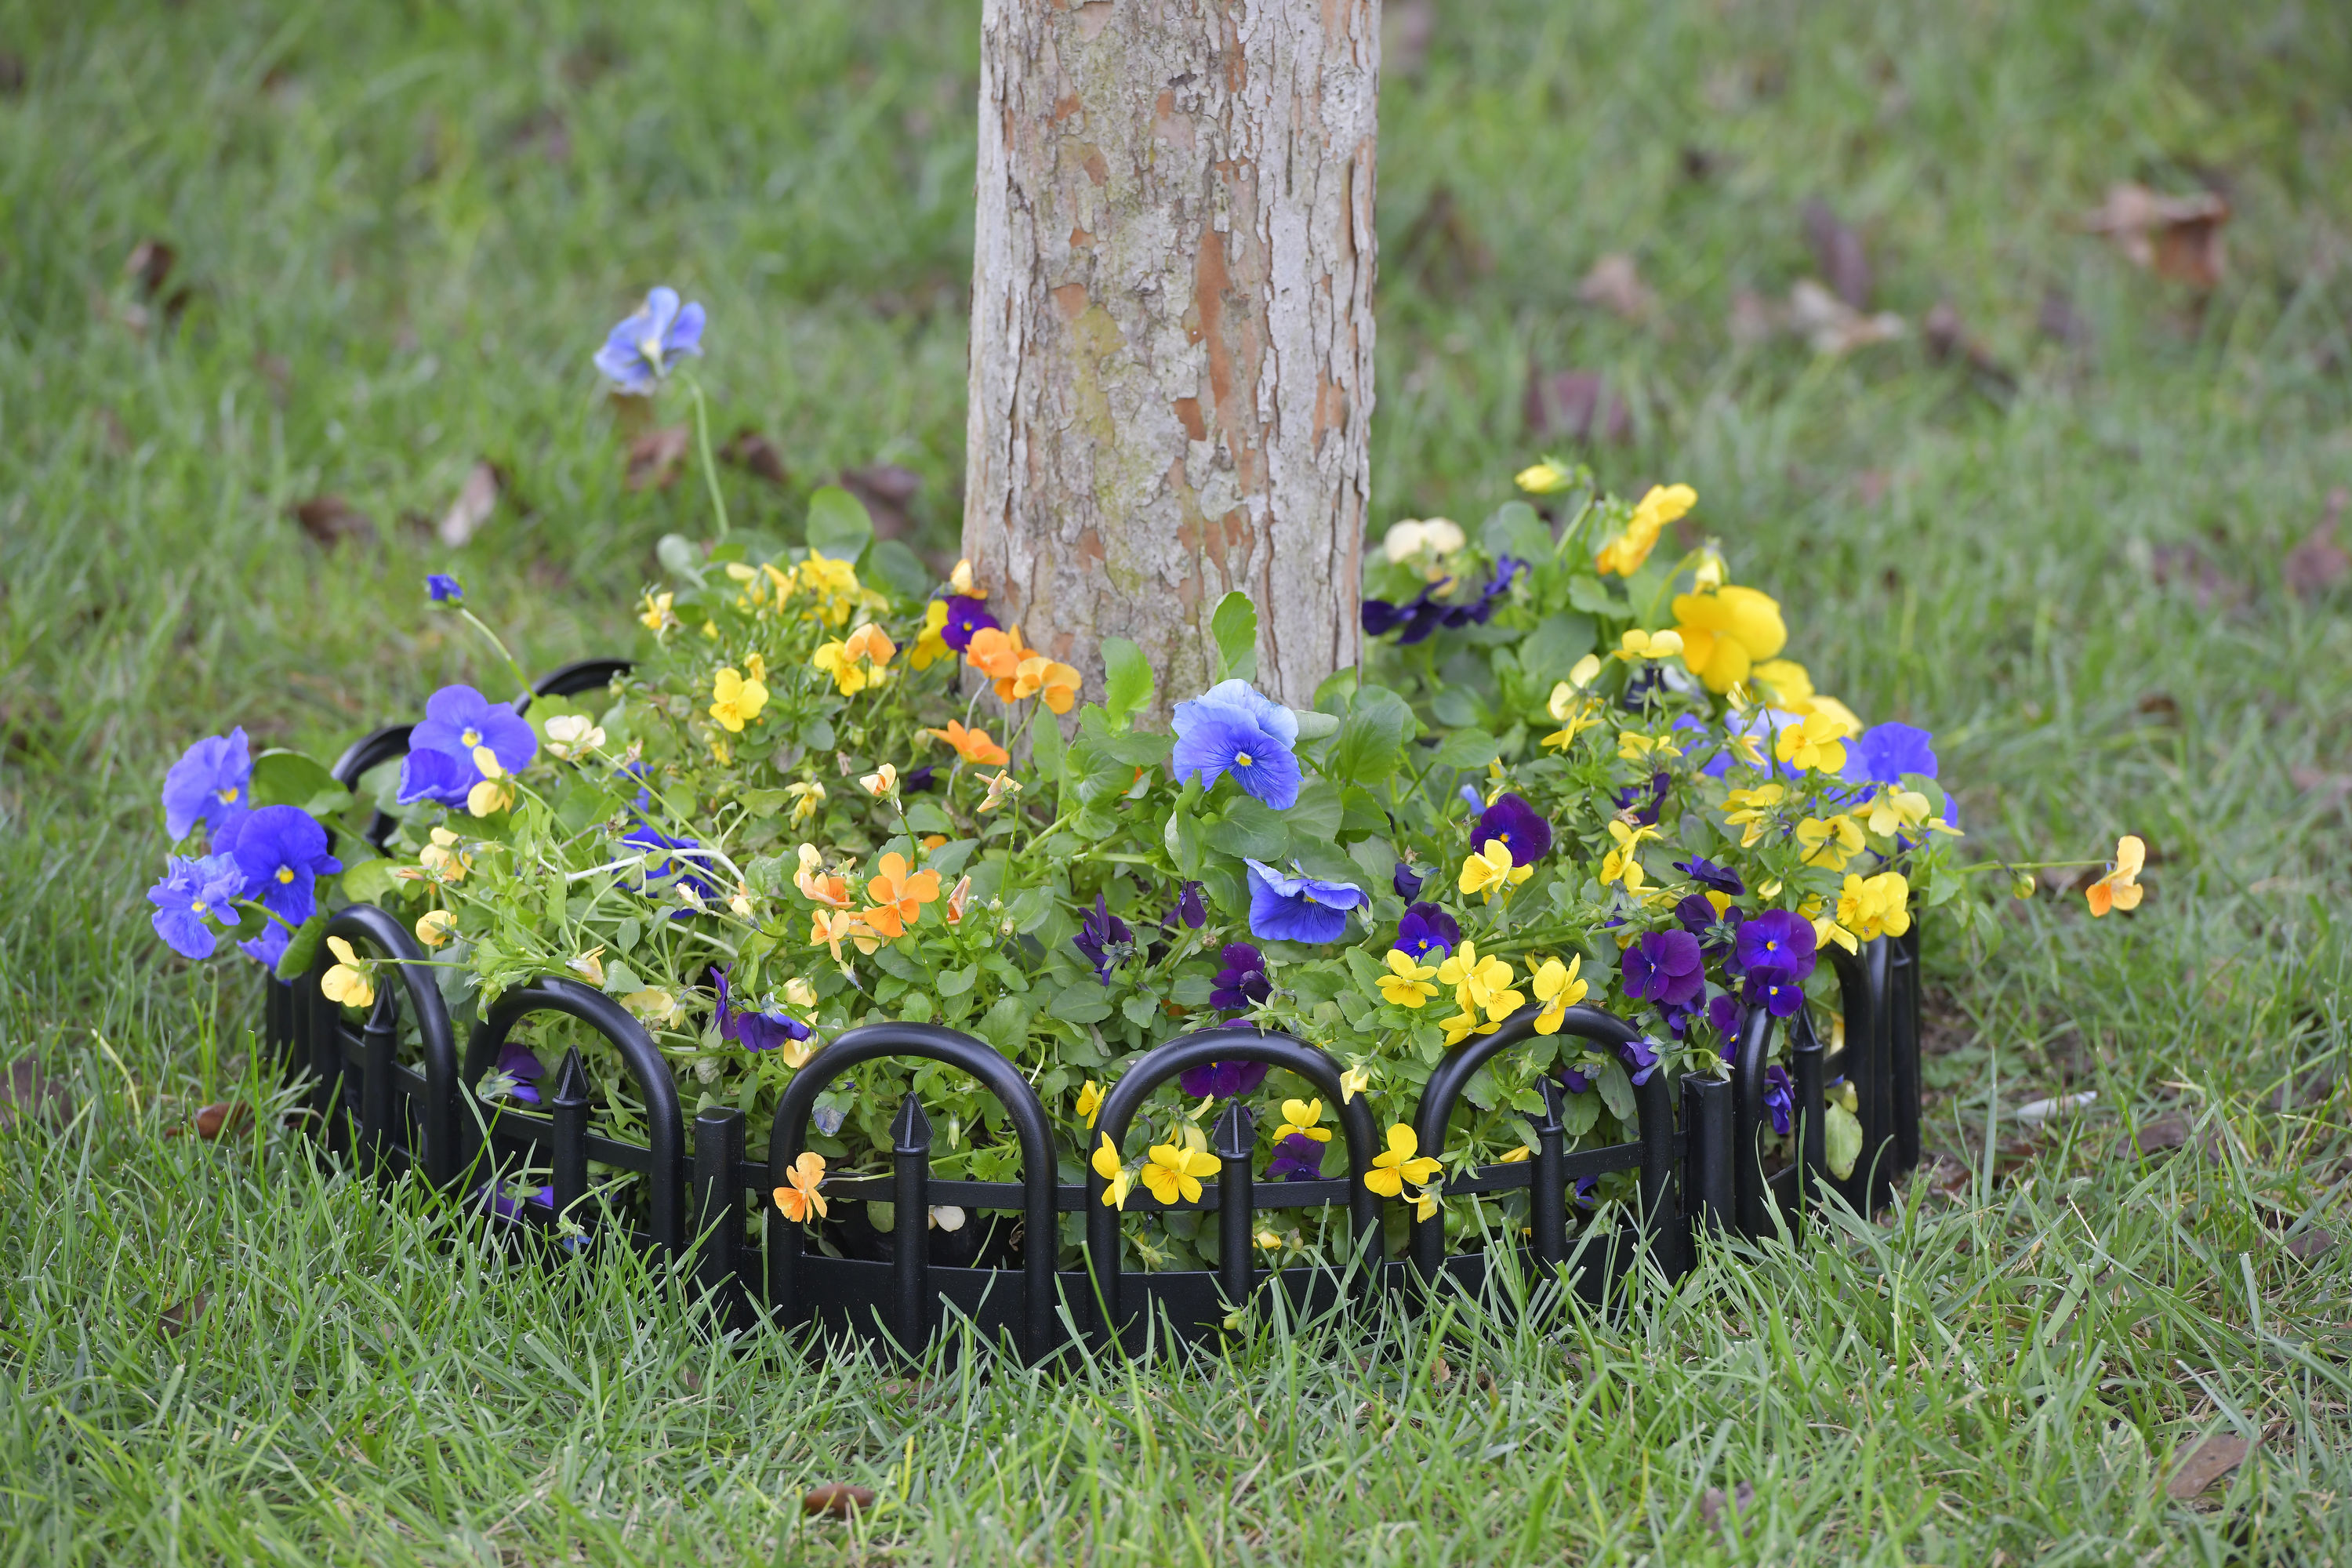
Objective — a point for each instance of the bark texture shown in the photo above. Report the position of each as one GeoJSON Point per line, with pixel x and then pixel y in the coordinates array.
{"type": "Point", "coordinates": [1172, 327]}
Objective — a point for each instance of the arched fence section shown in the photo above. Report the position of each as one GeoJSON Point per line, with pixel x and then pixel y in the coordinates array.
{"type": "Point", "coordinates": [1699, 1154]}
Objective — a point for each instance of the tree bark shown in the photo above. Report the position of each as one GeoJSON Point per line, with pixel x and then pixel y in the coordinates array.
{"type": "Point", "coordinates": [1171, 328]}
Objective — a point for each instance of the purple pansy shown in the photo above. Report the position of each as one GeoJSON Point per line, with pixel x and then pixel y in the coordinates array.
{"type": "Point", "coordinates": [1231, 728]}
{"type": "Point", "coordinates": [212, 784]}
{"type": "Point", "coordinates": [1645, 810]}
{"type": "Point", "coordinates": [495, 1199]}
{"type": "Point", "coordinates": [1723, 1013]}
{"type": "Point", "coordinates": [1639, 1056]}
{"type": "Point", "coordinates": [1708, 874]}
{"type": "Point", "coordinates": [755, 1031]}
{"type": "Point", "coordinates": [1414, 620]}
{"type": "Point", "coordinates": [439, 766]}
{"type": "Point", "coordinates": [192, 892]}
{"type": "Point", "coordinates": [1699, 917]}
{"type": "Point", "coordinates": [1296, 1158]}
{"type": "Point", "coordinates": [919, 781]}
{"type": "Point", "coordinates": [1300, 908]}
{"type": "Point", "coordinates": [1521, 827]}
{"type": "Point", "coordinates": [283, 853]}
{"type": "Point", "coordinates": [444, 589]}
{"type": "Point", "coordinates": [1778, 1099]}
{"type": "Point", "coordinates": [1187, 908]}
{"type": "Point", "coordinates": [640, 351]}
{"type": "Point", "coordinates": [1664, 966]}
{"type": "Point", "coordinates": [1222, 1080]}
{"type": "Point", "coordinates": [645, 836]}
{"type": "Point", "coordinates": [1427, 933]}
{"type": "Point", "coordinates": [1105, 939]}
{"type": "Point", "coordinates": [967, 618]}
{"type": "Point", "coordinates": [1576, 1079]}
{"type": "Point", "coordinates": [1243, 982]}
{"type": "Point", "coordinates": [519, 1073]}
{"type": "Point", "coordinates": [1778, 940]}
{"type": "Point", "coordinates": [1774, 991]}
{"type": "Point", "coordinates": [1407, 881]}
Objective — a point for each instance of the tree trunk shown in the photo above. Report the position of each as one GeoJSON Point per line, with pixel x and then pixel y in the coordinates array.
{"type": "Point", "coordinates": [1171, 328]}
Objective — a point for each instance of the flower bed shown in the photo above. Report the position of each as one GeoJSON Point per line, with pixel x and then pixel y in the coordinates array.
{"type": "Point", "coordinates": [1574, 888]}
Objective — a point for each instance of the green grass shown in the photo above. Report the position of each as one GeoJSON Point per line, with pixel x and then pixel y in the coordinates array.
{"type": "Point", "coordinates": [391, 275]}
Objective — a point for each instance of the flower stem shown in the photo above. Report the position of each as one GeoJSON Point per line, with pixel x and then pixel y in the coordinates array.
{"type": "Point", "coordinates": [522, 681]}
{"type": "Point", "coordinates": [702, 441]}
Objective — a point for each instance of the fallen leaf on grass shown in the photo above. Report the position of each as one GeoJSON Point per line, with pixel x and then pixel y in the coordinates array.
{"type": "Point", "coordinates": [1711, 1506]}
{"type": "Point", "coordinates": [181, 1316]}
{"type": "Point", "coordinates": [220, 1121]}
{"type": "Point", "coordinates": [2177, 237]}
{"type": "Point", "coordinates": [1838, 251]}
{"type": "Point", "coordinates": [1948, 340]}
{"type": "Point", "coordinates": [31, 1094]}
{"type": "Point", "coordinates": [1615, 285]}
{"type": "Point", "coordinates": [2208, 1462]}
{"type": "Point", "coordinates": [2313, 1243]}
{"type": "Point", "coordinates": [2164, 1133]}
{"type": "Point", "coordinates": [1834, 326]}
{"type": "Point", "coordinates": [836, 1500]}
{"type": "Point", "coordinates": [331, 519]}
{"type": "Point", "coordinates": [749, 450]}
{"type": "Point", "coordinates": [2318, 563]}
{"type": "Point", "coordinates": [1946, 1175]}
{"type": "Point", "coordinates": [149, 264]}
{"type": "Point", "coordinates": [887, 490]}
{"type": "Point", "coordinates": [1576, 404]}
{"type": "Point", "coordinates": [2188, 566]}
{"type": "Point", "coordinates": [478, 497]}
{"type": "Point", "coordinates": [655, 457]}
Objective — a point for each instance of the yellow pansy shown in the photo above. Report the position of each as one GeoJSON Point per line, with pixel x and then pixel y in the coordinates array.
{"type": "Point", "coordinates": [835, 583]}
{"type": "Point", "coordinates": [1461, 1025]}
{"type": "Point", "coordinates": [435, 926]}
{"type": "Point", "coordinates": [1547, 477]}
{"type": "Point", "coordinates": [1752, 811]}
{"type": "Point", "coordinates": [1662, 505]}
{"type": "Point", "coordinates": [348, 983]}
{"type": "Point", "coordinates": [1353, 1082]}
{"type": "Point", "coordinates": [2118, 887]}
{"type": "Point", "coordinates": [1637, 645]}
{"type": "Point", "coordinates": [1401, 1163]}
{"type": "Point", "coordinates": [931, 647]}
{"type": "Point", "coordinates": [1559, 987]}
{"type": "Point", "coordinates": [1633, 746]}
{"type": "Point", "coordinates": [1090, 1098]}
{"type": "Point", "coordinates": [1490, 870]}
{"type": "Point", "coordinates": [1301, 1118]}
{"type": "Point", "coordinates": [1406, 984]}
{"type": "Point", "coordinates": [882, 781]}
{"type": "Point", "coordinates": [962, 582]}
{"type": "Point", "coordinates": [1875, 907]}
{"type": "Point", "coordinates": [1816, 742]}
{"type": "Point", "coordinates": [656, 613]}
{"type": "Point", "coordinates": [1830, 841]}
{"type": "Point", "coordinates": [1106, 1165]}
{"type": "Point", "coordinates": [1623, 863]}
{"type": "Point", "coordinates": [589, 965]}
{"type": "Point", "coordinates": [1175, 1170]}
{"type": "Point", "coordinates": [1726, 631]}
{"type": "Point", "coordinates": [1784, 684]}
{"type": "Point", "coordinates": [1479, 983]}
{"type": "Point", "coordinates": [807, 800]}
{"type": "Point", "coordinates": [1896, 809]}
{"type": "Point", "coordinates": [735, 701]}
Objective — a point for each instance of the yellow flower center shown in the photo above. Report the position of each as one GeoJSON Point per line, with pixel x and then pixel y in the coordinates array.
{"type": "Point", "coordinates": [196, 906]}
{"type": "Point", "coordinates": [1243, 760]}
{"type": "Point", "coordinates": [286, 873]}
{"type": "Point", "coordinates": [228, 795]}
{"type": "Point", "coordinates": [470, 739]}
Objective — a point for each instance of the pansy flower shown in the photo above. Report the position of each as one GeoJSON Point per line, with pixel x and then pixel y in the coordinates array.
{"type": "Point", "coordinates": [1559, 987]}
{"type": "Point", "coordinates": [1641, 1056]}
{"type": "Point", "coordinates": [1296, 1158]}
{"type": "Point", "coordinates": [1222, 1080]}
{"type": "Point", "coordinates": [1299, 908]}
{"type": "Point", "coordinates": [1708, 874]}
{"type": "Point", "coordinates": [1407, 881]}
{"type": "Point", "coordinates": [1406, 984]}
{"type": "Point", "coordinates": [1886, 753]}
{"type": "Point", "coordinates": [1664, 966]}
{"type": "Point", "coordinates": [1233, 729]}
{"type": "Point", "coordinates": [1427, 932]}
{"type": "Point", "coordinates": [1242, 981]}
{"type": "Point", "coordinates": [444, 589]}
{"type": "Point", "coordinates": [761, 1031]}
{"type": "Point", "coordinates": [897, 894]}
{"type": "Point", "coordinates": [1778, 940]}
{"type": "Point", "coordinates": [516, 1075]}
{"type": "Point", "coordinates": [1105, 939]}
{"type": "Point", "coordinates": [800, 1198]}
{"type": "Point", "coordinates": [1491, 870]}
{"type": "Point", "coordinates": [641, 351]}
{"type": "Point", "coordinates": [440, 761]}
{"type": "Point", "coordinates": [191, 893]}
{"type": "Point", "coordinates": [1401, 1163]}
{"type": "Point", "coordinates": [283, 853]}
{"type": "Point", "coordinates": [1174, 1170]}
{"type": "Point", "coordinates": [972, 745]}
{"type": "Point", "coordinates": [2118, 886]}
{"type": "Point", "coordinates": [211, 784]}
{"type": "Point", "coordinates": [967, 617]}
{"type": "Point", "coordinates": [1518, 825]}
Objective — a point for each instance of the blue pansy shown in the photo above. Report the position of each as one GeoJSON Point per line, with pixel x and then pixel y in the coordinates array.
{"type": "Point", "coordinates": [192, 892]}
{"type": "Point", "coordinates": [439, 766]}
{"type": "Point", "coordinates": [1883, 754]}
{"type": "Point", "coordinates": [1299, 908]}
{"type": "Point", "coordinates": [1234, 729]}
{"type": "Point", "coordinates": [212, 784]}
{"type": "Point", "coordinates": [1407, 881]}
{"type": "Point", "coordinates": [283, 853]}
{"type": "Point", "coordinates": [443, 588]}
{"type": "Point", "coordinates": [756, 1031]}
{"type": "Point", "coordinates": [645, 836]}
{"type": "Point", "coordinates": [641, 351]}
{"type": "Point", "coordinates": [1427, 933]}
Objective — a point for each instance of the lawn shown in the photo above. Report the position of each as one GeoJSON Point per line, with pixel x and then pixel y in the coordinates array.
{"type": "Point", "coordinates": [2067, 544]}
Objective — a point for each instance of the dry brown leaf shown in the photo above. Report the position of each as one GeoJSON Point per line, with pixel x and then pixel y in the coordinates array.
{"type": "Point", "coordinates": [330, 519]}
{"type": "Point", "coordinates": [2177, 237]}
{"type": "Point", "coordinates": [1838, 252]}
{"type": "Point", "coordinates": [1615, 284]}
{"type": "Point", "coordinates": [1576, 404]}
{"type": "Point", "coordinates": [2164, 1133]}
{"type": "Point", "coordinates": [149, 264]}
{"type": "Point", "coordinates": [181, 1316]}
{"type": "Point", "coordinates": [655, 457]}
{"type": "Point", "coordinates": [2188, 566]}
{"type": "Point", "coordinates": [1711, 1507]}
{"type": "Point", "coordinates": [1948, 339]}
{"type": "Point", "coordinates": [32, 1096]}
{"type": "Point", "coordinates": [836, 1500]}
{"type": "Point", "coordinates": [1835, 327]}
{"type": "Point", "coordinates": [2318, 563]}
{"type": "Point", "coordinates": [2208, 1462]}
{"type": "Point", "coordinates": [478, 497]}
{"type": "Point", "coordinates": [749, 450]}
{"type": "Point", "coordinates": [2160, 706]}
{"type": "Point", "coordinates": [887, 489]}
{"type": "Point", "coordinates": [1946, 1175]}
{"type": "Point", "coordinates": [220, 1121]}
{"type": "Point", "coordinates": [2313, 1243]}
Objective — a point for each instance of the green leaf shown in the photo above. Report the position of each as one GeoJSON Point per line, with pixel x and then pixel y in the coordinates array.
{"type": "Point", "coordinates": [838, 526]}
{"type": "Point", "coordinates": [950, 858]}
{"type": "Point", "coordinates": [1126, 680]}
{"type": "Point", "coordinates": [302, 947]}
{"type": "Point", "coordinates": [1375, 861]}
{"type": "Point", "coordinates": [1086, 1002]}
{"type": "Point", "coordinates": [1005, 1026]}
{"type": "Point", "coordinates": [368, 881]}
{"type": "Point", "coordinates": [899, 568]}
{"type": "Point", "coordinates": [289, 778]}
{"type": "Point", "coordinates": [1250, 829]}
{"type": "Point", "coordinates": [1234, 626]}
{"type": "Point", "coordinates": [1579, 1113]}
{"type": "Point", "coordinates": [1551, 650]}
{"type": "Point", "coordinates": [680, 558]}
{"type": "Point", "coordinates": [925, 816]}
{"type": "Point", "coordinates": [1314, 724]}
{"type": "Point", "coordinates": [1140, 1010]}
{"type": "Point", "coordinates": [1371, 739]}
{"type": "Point", "coordinates": [1841, 1140]}
{"type": "Point", "coordinates": [1337, 689]}
{"type": "Point", "coordinates": [1515, 529]}
{"type": "Point", "coordinates": [1046, 751]}
{"type": "Point", "coordinates": [956, 982]}
{"type": "Point", "coordinates": [1616, 1089]}
{"type": "Point", "coordinates": [1183, 838]}
{"type": "Point", "coordinates": [1316, 816]}
{"type": "Point", "coordinates": [1467, 748]}
{"type": "Point", "coordinates": [1592, 595]}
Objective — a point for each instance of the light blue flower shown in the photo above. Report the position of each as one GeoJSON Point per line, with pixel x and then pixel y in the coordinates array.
{"type": "Point", "coordinates": [212, 784]}
{"type": "Point", "coordinates": [1231, 728]}
{"type": "Point", "coordinates": [1300, 908]}
{"type": "Point", "coordinates": [191, 893]}
{"type": "Point", "coordinates": [641, 351]}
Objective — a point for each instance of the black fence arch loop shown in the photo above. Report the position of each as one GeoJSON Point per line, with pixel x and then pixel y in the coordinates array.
{"type": "Point", "coordinates": [1198, 1049]}
{"type": "Point", "coordinates": [1653, 1102]}
{"type": "Point", "coordinates": [664, 1130]}
{"type": "Point", "coordinates": [443, 1155]}
{"type": "Point", "coordinates": [1862, 999]}
{"type": "Point", "coordinates": [787, 1136]}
